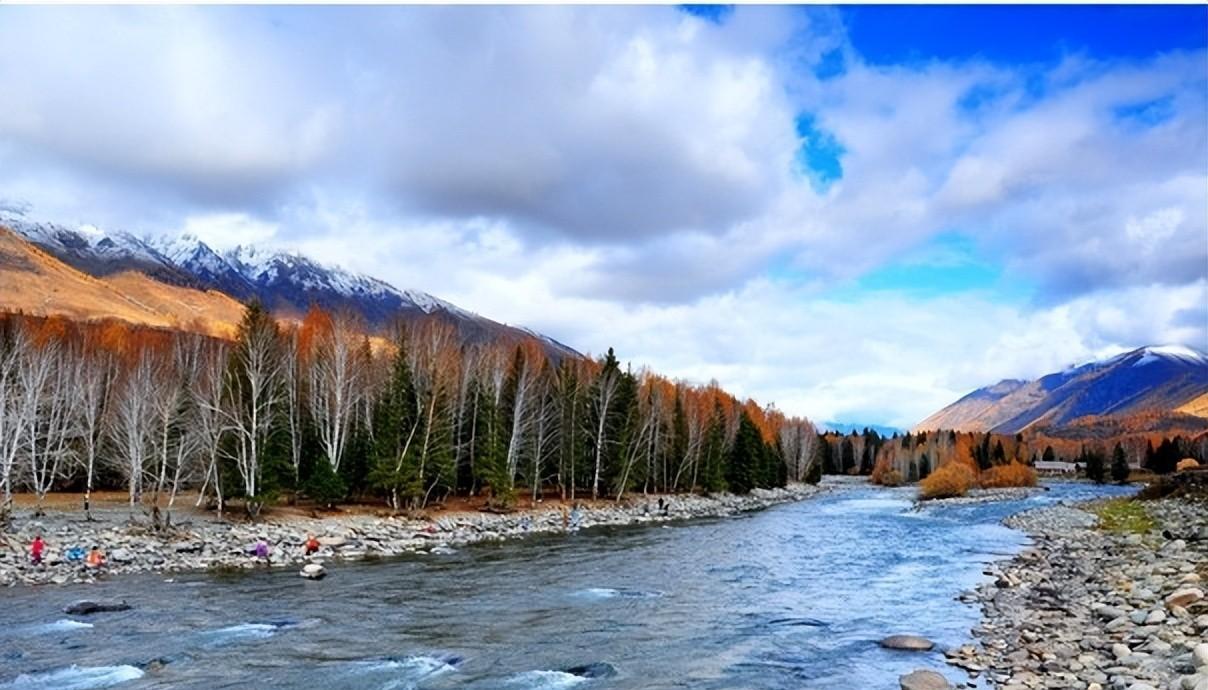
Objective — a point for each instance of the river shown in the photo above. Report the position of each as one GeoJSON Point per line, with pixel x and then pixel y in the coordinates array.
{"type": "Point", "coordinates": [791, 597]}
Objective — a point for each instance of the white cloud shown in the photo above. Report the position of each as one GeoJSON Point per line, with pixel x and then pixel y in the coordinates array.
{"type": "Point", "coordinates": [625, 176]}
{"type": "Point", "coordinates": [227, 230]}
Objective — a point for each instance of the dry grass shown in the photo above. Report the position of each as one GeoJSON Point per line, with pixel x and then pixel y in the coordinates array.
{"type": "Point", "coordinates": [36, 283]}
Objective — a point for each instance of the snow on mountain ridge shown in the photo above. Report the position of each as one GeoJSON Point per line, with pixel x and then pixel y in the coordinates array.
{"type": "Point", "coordinates": [1155, 353]}
{"type": "Point", "coordinates": [187, 252]}
{"type": "Point", "coordinates": [282, 280]}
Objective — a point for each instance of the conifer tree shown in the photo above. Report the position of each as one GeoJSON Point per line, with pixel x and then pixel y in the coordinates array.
{"type": "Point", "coordinates": [847, 456]}
{"type": "Point", "coordinates": [1119, 465]}
{"type": "Point", "coordinates": [396, 426]}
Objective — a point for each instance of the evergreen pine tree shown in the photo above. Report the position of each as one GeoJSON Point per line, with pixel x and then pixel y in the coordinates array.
{"type": "Point", "coordinates": [847, 456]}
{"type": "Point", "coordinates": [324, 486]}
{"type": "Point", "coordinates": [746, 457]}
{"type": "Point", "coordinates": [1093, 462]}
{"type": "Point", "coordinates": [866, 459]}
{"type": "Point", "coordinates": [396, 427]}
{"type": "Point", "coordinates": [814, 475]}
{"type": "Point", "coordinates": [713, 477]}
{"type": "Point", "coordinates": [1119, 465]}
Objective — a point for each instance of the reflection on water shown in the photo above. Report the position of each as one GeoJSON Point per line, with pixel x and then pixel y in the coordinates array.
{"type": "Point", "coordinates": [796, 596]}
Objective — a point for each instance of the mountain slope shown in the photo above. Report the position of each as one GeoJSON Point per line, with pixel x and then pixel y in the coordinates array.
{"type": "Point", "coordinates": [286, 283]}
{"type": "Point", "coordinates": [34, 282]}
{"type": "Point", "coordinates": [1148, 382]}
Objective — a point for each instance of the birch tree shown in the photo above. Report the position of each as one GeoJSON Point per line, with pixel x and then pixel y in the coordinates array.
{"type": "Point", "coordinates": [603, 406]}
{"type": "Point", "coordinates": [96, 374]}
{"type": "Point", "coordinates": [210, 417]}
{"type": "Point", "coordinates": [336, 378]}
{"type": "Point", "coordinates": [48, 382]}
{"type": "Point", "coordinates": [15, 413]}
{"type": "Point", "coordinates": [293, 381]}
{"type": "Point", "coordinates": [522, 398]}
{"type": "Point", "coordinates": [132, 427]}
{"type": "Point", "coordinates": [253, 393]}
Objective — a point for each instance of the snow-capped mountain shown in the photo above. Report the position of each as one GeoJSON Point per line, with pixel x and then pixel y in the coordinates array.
{"type": "Point", "coordinates": [287, 283]}
{"type": "Point", "coordinates": [95, 252]}
{"type": "Point", "coordinates": [1157, 379]}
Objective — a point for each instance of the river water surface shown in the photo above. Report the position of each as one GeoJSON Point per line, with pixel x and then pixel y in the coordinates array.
{"type": "Point", "coordinates": [791, 597]}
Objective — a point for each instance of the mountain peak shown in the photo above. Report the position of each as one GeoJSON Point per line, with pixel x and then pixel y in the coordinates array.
{"type": "Point", "coordinates": [1180, 353]}
{"type": "Point", "coordinates": [284, 281]}
{"type": "Point", "coordinates": [1153, 379]}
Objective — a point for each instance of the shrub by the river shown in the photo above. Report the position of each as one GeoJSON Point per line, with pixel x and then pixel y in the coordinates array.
{"type": "Point", "coordinates": [891, 478]}
{"type": "Point", "coordinates": [952, 480]}
{"type": "Point", "coordinates": [881, 474]}
{"type": "Point", "coordinates": [1011, 474]}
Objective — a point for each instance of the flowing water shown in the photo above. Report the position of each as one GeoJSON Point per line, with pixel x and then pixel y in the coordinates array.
{"type": "Point", "coordinates": [792, 597]}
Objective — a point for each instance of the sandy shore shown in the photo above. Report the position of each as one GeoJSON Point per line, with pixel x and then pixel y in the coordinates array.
{"type": "Point", "coordinates": [201, 543]}
{"type": "Point", "coordinates": [1092, 609]}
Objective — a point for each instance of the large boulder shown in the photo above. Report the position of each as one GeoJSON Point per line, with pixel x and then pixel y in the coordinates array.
{"type": "Point", "coordinates": [87, 607]}
{"type": "Point", "coordinates": [910, 643]}
{"type": "Point", "coordinates": [924, 680]}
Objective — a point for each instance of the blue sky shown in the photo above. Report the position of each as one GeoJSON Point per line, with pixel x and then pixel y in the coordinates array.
{"type": "Point", "coordinates": [1015, 34]}
{"type": "Point", "coordinates": [858, 213]}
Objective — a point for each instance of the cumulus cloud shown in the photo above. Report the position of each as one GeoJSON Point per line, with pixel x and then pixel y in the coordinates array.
{"type": "Point", "coordinates": [634, 177]}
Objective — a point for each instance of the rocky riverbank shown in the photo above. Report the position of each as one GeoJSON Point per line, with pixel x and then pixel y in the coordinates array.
{"type": "Point", "coordinates": [203, 543]}
{"type": "Point", "coordinates": [1092, 609]}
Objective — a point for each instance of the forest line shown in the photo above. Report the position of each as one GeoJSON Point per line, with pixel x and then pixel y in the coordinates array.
{"type": "Point", "coordinates": [319, 409]}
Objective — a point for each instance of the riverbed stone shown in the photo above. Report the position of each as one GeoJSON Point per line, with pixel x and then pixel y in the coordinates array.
{"type": "Point", "coordinates": [1130, 604]}
{"type": "Point", "coordinates": [923, 679]}
{"type": "Point", "coordinates": [1200, 655]}
{"type": "Point", "coordinates": [313, 571]}
{"type": "Point", "coordinates": [200, 542]}
{"type": "Point", "coordinates": [88, 607]}
{"type": "Point", "coordinates": [1184, 597]}
{"type": "Point", "coordinates": [910, 643]}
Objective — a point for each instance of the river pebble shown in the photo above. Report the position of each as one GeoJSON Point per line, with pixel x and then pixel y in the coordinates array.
{"type": "Point", "coordinates": [1085, 608]}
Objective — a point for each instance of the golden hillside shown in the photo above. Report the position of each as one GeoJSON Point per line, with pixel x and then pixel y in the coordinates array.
{"type": "Point", "coordinates": [34, 282]}
{"type": "Point", "coordinates": [1197, 406]}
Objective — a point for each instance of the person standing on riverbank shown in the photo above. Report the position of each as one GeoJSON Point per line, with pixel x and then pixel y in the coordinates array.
{"type": "Point", "coordinates": [95, 559]}
{"type": "Point", "coordinates": [312, 545]}
{"type": "Point", "coordinates": [261, 550]}
{"type": "Point", "coordinates": [35, 550]}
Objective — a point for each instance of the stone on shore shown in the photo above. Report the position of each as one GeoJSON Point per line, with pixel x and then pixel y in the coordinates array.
{"type": "Point", "coordinates": [924, 680]}
{"type": "Point", "coordinates": [1184, 597]}
{"type": "Point", "coordinates": [86, 607]}
{"type": "Point", "coordinates": [1095, 608]}
{"type": "Point", "coordinates": [1200, 654]}
{"type": "Point", "coordinates": [909, 643]}
{"type": "Point", "coordinates": [199, 543]}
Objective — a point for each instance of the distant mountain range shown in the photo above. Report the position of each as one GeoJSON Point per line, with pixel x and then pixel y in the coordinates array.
{"type": "Point", "coordinates": [286, 283]}
{"type": "Point", "coordinates": [1151, 384]}
{"type": "Point", "coordinates": [845, 428]}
